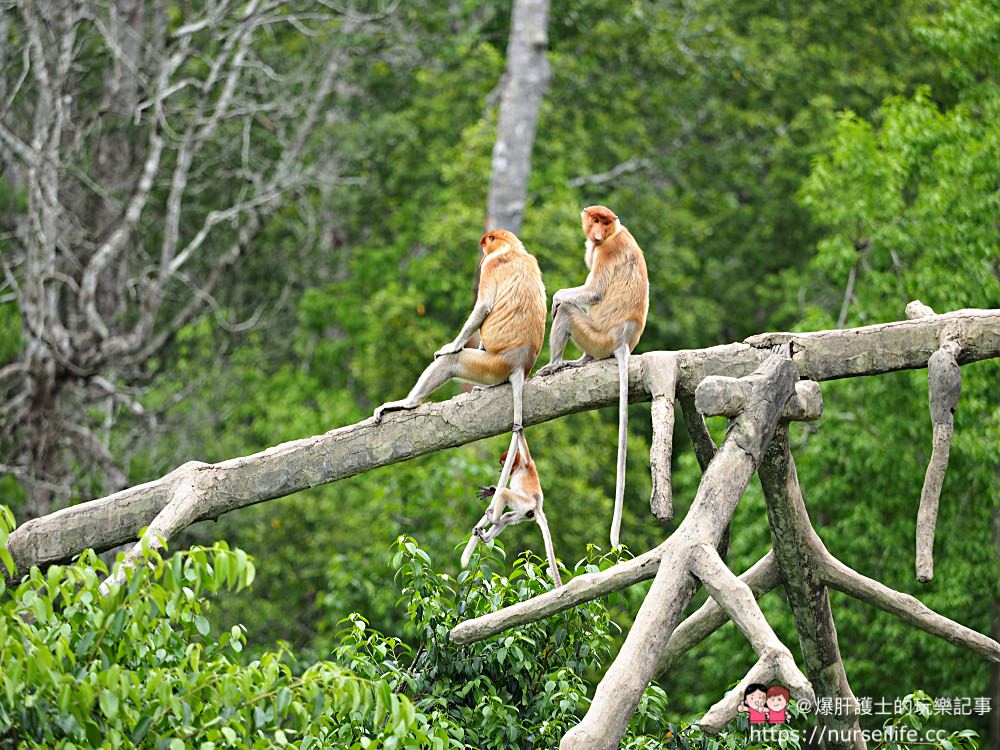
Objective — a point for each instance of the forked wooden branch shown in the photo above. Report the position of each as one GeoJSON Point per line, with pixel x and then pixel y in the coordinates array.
{"type": "Point", "coordinates": [722, 485]}
{"type": "Point", "coordinates": [760, 578]}
{"type": "Point", "coordinates": [775, 663]}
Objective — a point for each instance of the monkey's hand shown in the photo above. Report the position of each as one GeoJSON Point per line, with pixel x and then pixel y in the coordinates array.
{"type": "Point", "coordinates": [485, 492]}
{"type": "Point", "coordinates": [451, 348]}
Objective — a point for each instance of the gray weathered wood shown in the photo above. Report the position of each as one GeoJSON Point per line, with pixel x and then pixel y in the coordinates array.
{"type": "Point", "coordinates": [721, 488]}
{"type": "Point", "coordinates": [661, 375]}
{"type": "Point", "coordinates": [797, 549]}
{"type": "Point", "coordinates": [739, 602]}
{"type": "Point", "coordinates": [344, 452]}
{"type": "Point", "coordinates": [718, 395]}
{"type": "Point", "coordinates": [944, 380]}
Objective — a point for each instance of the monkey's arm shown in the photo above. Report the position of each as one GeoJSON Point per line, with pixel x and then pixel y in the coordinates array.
{"type": "Point", "coordinates": [476, 318]}
{"type": "Point", "coordinates": [577, 295]}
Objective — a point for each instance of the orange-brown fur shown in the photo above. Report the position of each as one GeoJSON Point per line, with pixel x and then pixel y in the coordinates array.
{"type": "Point", "coordinates": [510, 316]}
{"type": "Point", "coordinates": [618, 271]}
{"type": "Point", "coordinates": [525, 500]}
{"type": "Point", "coordinates": [524, 476]}
{"type": "Point", "coordinates": [515, 327]}
{"type": "Point", "coordinates": [616, 299]}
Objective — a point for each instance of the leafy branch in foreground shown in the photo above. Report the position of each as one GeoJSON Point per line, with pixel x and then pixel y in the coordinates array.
{"type": "Point", "coordinates": [142, 667]}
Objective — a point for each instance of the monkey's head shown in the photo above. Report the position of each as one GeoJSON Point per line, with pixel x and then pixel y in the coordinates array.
{"type": "Point", "coordinates": [599, 223]}
{"type": "Point", "coordinates": [496, 240]}
{"type": "Point", "coordinates": [517, 460]}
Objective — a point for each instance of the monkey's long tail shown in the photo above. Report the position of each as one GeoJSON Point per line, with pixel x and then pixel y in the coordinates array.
{"type": "Point", "coordinates": [621, 354]}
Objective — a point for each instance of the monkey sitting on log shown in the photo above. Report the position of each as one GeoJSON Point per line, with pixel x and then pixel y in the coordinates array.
{"type": "Point", "coordinates": [616, 298]}
{"type": "Point", "coordinates": [510, 316]}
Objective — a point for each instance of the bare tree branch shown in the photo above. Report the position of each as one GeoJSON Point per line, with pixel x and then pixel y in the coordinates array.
{"type": "Point", "coordinates": [351, 450]}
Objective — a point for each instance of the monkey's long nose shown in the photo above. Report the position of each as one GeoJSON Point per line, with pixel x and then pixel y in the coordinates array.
{"type": "Point", "coordinates": [598, 235]}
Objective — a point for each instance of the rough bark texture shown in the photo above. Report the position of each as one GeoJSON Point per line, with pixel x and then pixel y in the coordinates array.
{"type": "Point", "coordinates": [797, 551]}
{"type": "Point", "coordinates": [944, 379]}
{"type": "Point", "coordinates": [525, 82]}
{"type": "Point", "coordinates": [661, 375]}
{"type": "Point", "coordinates": [344, 452]}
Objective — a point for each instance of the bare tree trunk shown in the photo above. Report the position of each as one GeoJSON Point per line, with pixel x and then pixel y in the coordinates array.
{"type": "Point", "coordinates": [525, 81]}
{"type": "Point", "coordinates": [126, 238]}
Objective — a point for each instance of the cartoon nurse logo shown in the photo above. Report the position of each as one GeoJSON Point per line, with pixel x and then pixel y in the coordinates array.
{"type": "Point", "coordinates": [777, 702]}
{"type": "Point", "coordinates": [755, 703]}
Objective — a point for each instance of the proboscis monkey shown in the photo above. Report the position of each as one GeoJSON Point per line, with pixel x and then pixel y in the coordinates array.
{"type": "Point", "coordinates": [616, 299]}
{"type": "Point", "coordinates": [524, 498]}
{"type": "Point", "coordinates": [510, 316]}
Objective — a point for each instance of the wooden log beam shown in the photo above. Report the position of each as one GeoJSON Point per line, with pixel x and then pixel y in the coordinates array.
{"type": "Point", "coordinates": [283, 469]}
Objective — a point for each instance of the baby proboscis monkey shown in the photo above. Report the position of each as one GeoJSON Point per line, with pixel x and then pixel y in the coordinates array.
{"type": "Point", "coordinates": [510, 316]}
{"type": "Point", "coordinates": [605, 316]}
{"type": "Point", "coordinates": [524, 498]}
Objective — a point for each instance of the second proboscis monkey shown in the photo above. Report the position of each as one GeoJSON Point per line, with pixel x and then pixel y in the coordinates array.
{"type": "Point", "coordinates": [524, 498]}
{"type": "Point", "coordinates": [605, 316]}
{"type": "Point", "coordinates": [510, 316]}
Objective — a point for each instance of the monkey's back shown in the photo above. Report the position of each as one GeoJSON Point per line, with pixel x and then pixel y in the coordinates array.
{"type": "Point", "coordinates": [621, 270]}
{"type": "Point", "coordinates": [517, 318]}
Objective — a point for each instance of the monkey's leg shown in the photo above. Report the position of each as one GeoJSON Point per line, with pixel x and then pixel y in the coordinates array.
{"type": "Point", "coordinates": [510, 518]}
{"type": "Point", "coordinates": [550, 551]}
{"type": "Point", "coordinates": [621, 354]}
{"type": "Point", "coordinates": [596, 343]}
{"type": "Point", "coordinates": [437, 373]}
{"type": "Point", "coordinates": [558, 338]}
{"type": "Point", "coordinates": [517, 386]}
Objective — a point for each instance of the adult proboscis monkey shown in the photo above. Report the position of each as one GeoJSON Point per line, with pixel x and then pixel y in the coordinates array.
{"type": "Point", "coordinates": [605, 316]}
{"type": "Point", "coordinates": [510, 316]}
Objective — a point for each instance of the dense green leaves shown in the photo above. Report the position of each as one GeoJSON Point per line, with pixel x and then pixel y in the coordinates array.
{"type": "Point", "coordinates": [142, 667]}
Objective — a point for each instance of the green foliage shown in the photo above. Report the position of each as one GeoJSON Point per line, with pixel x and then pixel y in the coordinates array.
{"type": "Point", "coordinates": [523, 688]}
{"type": "Point", "coordinates": [143, 667]}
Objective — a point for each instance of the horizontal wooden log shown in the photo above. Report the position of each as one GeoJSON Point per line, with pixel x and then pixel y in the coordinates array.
{"type": "Point", "coordinates": [718, 395]}
{"type": "Point", "coordinates": [344, 452]}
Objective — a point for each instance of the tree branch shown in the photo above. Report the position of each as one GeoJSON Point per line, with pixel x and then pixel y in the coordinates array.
{"type": "Point", "coordinates": [350, 450]}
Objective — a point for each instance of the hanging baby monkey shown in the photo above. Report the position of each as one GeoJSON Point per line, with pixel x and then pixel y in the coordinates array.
{"type": "Point", "coordinates": [524, 498]}
{"type": "Point", "coordinates": [510, 316]}
{"type": "Point", "coordinates": [617, 297]}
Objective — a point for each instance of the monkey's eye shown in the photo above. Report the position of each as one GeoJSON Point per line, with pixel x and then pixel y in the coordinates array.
{"type": "Point", "coordinates": [491, 238]}
{"type": "Point", "coordinates": [596, 220]}
{"type": "Point", "coordinates": [607, 223]}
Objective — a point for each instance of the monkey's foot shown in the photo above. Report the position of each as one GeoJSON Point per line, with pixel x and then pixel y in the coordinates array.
{"type": "Point", "coordinates": [552, 367]}
{"type": "Point", "coordinates": [393, 406]}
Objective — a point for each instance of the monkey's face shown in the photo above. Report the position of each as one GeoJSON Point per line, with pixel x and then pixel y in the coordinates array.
{"type": "Point", "coordinates": [496, 240]}
{"type": "Point", "coordinates": [599, 223]}
{"type": "Point", "coordinates": [517, 460]}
